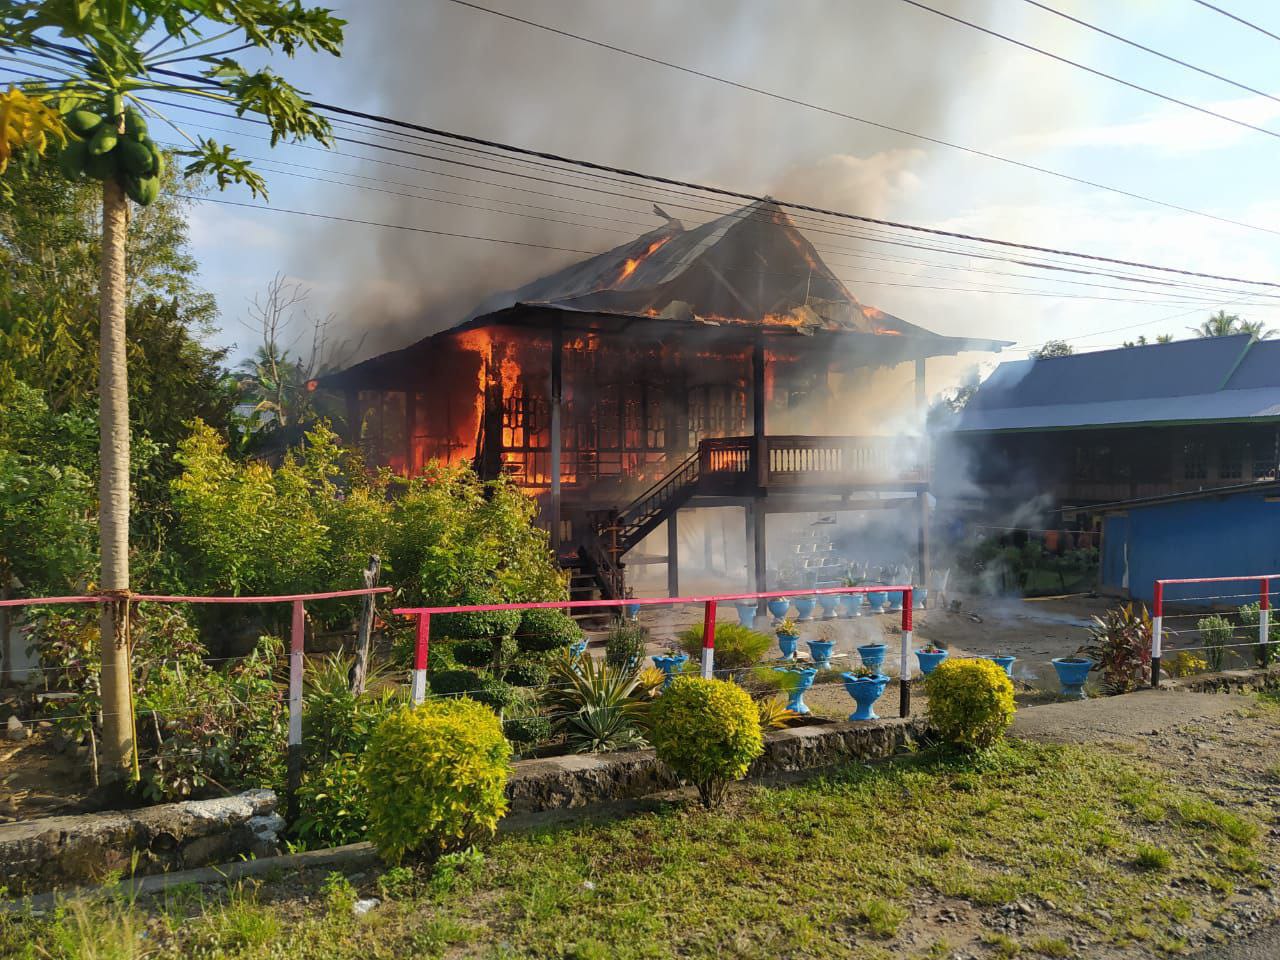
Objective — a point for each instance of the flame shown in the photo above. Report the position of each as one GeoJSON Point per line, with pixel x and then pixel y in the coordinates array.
{"type": "Point", "coordinates": [629, 267]}
{"type": "Point", "coordinates": [886, 332]}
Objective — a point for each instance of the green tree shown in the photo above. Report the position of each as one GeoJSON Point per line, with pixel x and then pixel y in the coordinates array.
{"type": "Point", "coordinates": [110, 78]}
{"type": "Point", "coordinates": [1053, 348]}
{"type": "Point", "coordinates": [1142, 341]}
{"type": "Point", "coordinates": [1223, 324]}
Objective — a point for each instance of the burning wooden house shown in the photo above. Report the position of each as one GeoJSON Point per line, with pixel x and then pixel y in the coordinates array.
{"type": "Point", "coordinates": [642, 380]}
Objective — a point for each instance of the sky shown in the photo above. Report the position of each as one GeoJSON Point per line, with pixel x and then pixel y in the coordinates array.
{"type": "Point", "coordinates": [440, 64]}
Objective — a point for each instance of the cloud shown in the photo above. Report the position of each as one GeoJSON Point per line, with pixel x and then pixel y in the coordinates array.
{"type": "Point", "coordinates": [872, 185]}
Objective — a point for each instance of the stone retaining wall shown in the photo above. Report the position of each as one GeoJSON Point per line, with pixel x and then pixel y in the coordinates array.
{"type": "Point", "coordinates": [582, 780]}
{"type": "Point", "coordinates": [1231, 681]}
{"type": "Point", "coordinates": [73, 850]}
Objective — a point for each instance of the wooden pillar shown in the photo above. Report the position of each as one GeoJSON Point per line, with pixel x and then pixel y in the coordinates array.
{"type": "Point", "coordinates": [748, 514]}
{"type": "Point", "coordinates": [673, 556]}
{"type": "Point", "coordinates": [922, 495]}
{"type": "Point", "coordinates": [557, 390]}
{"type": "Point", "coordinates": [353, 417]}
{"type": "Point", "coordinates": [920, 388]}
{"type": "Point", "coordinates": [759, 549]}
{"type": "Point", "coordinates": [922, 544]}
{"type": "Point", "coordinates": [758, 411]}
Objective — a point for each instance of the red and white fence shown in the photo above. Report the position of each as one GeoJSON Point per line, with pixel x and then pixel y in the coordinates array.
{"type": "Point", "coordinates": [1262, 594]}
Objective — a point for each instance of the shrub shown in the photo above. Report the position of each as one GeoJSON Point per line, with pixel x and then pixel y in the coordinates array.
{"type": "Point", "coordinates": [1120, 646]}
{"type": "Point", "coordinates": [1264, 653]}
{"type": "Point", "coordinates": [333, 804]}
{"type": "Point", "coordinates": [970, 702]}
{"type": "Point", "coordinates": [624, 647]}
{"type": "Point", "coordinates": [1216, 633]}
{"type": "Point", "coordinates": [524, 723]}
{"type": "Point", "coordinates": [598, 707]}
{"type": "Point", "coordinates": [485, 652]}
{"type": "Point", "coordinates": [708, 732]}
{"type": "Point", "coordinates": [736, 646]}
{"type": "Point", "coordinates": [526, 673]}
{"type": "Point", "coordinates": [476, 625]}
{"type": "Point", "coordinates": [493, 693]}
{"type": "Point", "coordinates": [450, 682]}
{"type": "Point", "coordinates": [543, 630]}
{"type": "Point", "coordinates": [436, 775]}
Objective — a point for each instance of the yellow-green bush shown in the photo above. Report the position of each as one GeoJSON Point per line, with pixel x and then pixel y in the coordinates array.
{"type": "Point", "coordinates": [970, 702]}
{"type": "Point", "coordinates": [436, 776]}
{"type": "Point", "coordinates": [708, 732]}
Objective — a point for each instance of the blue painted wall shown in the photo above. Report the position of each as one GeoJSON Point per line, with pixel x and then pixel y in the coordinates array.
{"type": "Point", "coordinates": [1214, 537]}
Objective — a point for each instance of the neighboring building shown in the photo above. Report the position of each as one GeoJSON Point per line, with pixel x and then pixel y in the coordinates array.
{"type": "Point", "coordinates": [1229, 532]}
{"type": "Point", "coordinates": [1056, 438]}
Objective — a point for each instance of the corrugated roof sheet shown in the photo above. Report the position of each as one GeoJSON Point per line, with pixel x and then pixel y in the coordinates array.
{"type": "Point", "coordinates": [1214, 378]}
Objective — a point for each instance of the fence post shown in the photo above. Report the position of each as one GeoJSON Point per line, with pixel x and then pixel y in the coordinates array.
{"type": "Point", "coordinates": [418, 690]}
{"type": "Point", "coordinates": [295, 708]}
{"type": "Point", "coordinates": [1157, 624]}
{"type": "Point", "coordinates": [904, 673]}
{"type": "Point", "coordinates": [1264, 621]}
{"type": "Point", "coordinates": [709, 639]}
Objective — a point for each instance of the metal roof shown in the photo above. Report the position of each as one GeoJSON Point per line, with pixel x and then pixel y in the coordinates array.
{"type": "Point", "coordinates": [1201, 380]}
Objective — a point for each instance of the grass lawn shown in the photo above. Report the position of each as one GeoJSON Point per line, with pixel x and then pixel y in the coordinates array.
{"type": "Point", "coordinates": [905, 859]}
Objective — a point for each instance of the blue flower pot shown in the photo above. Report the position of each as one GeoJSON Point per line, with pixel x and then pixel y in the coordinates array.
{"type": "Point", "coordinates": [820, 651]}
{"type": "Point", "coordinates": [929, 661]}
{"type": "Point", "coordinates": [804, 680]}
{"type": "Point", "coordinates": [746, 612]}
{"type": "Point", "coordinates": [804, 608]}
{"type": "Point", "coordinates": [872, 655]}
{"type": "Point", "coordinates": [830, 603]}
{"type": "Point", "coordinates": [895, 600]}
{"type": "Point", "coordinates": [633, 611]}
{"type": "Point", "coordinates": [919, 595]}
{"type": "Point", "coordinates": [1006, 664]}
{"type": "Point", "coordinates": [672, 666]}
{"type": "Point", "coordinates": [577, 649]}
{"type": "Point", "coordinates": [865, 692]}
{"type": "Point", "coordinates": [1072, 673]}
{"type": "Point", "coordinates": [778, 607]}
{"type": "Point", "coordinates": [853, 604]}
{"type": "Point", "coordinates": [877, 601]}
{"type": "Point", "coordinates": [787, 644]}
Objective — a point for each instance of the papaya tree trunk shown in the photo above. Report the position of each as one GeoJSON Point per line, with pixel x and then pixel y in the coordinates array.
{"type": "Point", "coordinates": [113, 489]}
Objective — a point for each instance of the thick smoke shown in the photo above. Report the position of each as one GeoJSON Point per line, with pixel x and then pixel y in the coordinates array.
{"type": "Point", "coordinates": [459, 69]}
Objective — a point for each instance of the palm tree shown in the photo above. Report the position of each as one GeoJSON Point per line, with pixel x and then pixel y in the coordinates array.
{"type": "Point", "coordinates": [1223, 324]}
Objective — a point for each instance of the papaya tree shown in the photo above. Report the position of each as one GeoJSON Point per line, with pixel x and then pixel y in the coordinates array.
{"type": "Point", "coordinates": [108, 65]}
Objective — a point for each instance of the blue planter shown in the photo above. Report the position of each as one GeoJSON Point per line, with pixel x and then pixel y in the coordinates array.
{"type": "Point", "coordinates": [746, 612]}
{"type": "Point", "coordinates": [877, 601]}
{"type": "Point", "coordinates": [633, 611]}
{"type": "Point", "coordinates": [672, 666]}
{"type": "Point", "coordinates": [853, 604]}
{"type": "Point", "coordinates": [829, 602]}
{"type": "Point", "coordinates": [865, 692]}
{"type": "Point", "coordinates": [872, 655]}
{"type": "Point", "coordinates": [778, 607]}
{"type": "Point", "coordinates": [787, 644]}
{"type": "Point", "coordinates": [1072, 673]}
{"type": "Point", "coordinates": [820, 651]}
{"type": "Point", "coordinates": [804, 608]}
{"type": "Point", "coordinates": [920, 595]}
{"type": "Point", "coordinates": [1006, 664]}
{"type": "Point", "coordinates": [804, 680]}
{"type": "Point", "coordinates": [577, 649]}
{"type": "Point", "coordinates": [929, 661]}
{"type": "Point", "coordinates": [895, 599]}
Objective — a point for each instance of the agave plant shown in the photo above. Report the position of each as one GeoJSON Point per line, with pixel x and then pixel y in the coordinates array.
{"type": "Point", "coordinates": [1120, 647]}
{"type": "Point", "coordinates": [596, 706]}
{"type": "Point", "coordinates": [774, 714]}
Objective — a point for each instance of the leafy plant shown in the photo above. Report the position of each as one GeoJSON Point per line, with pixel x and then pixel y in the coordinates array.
{"type": "Point", "coordinates": [736, 646]}
{"type": "Point", "coordinates": [774, 714]}
{"type": "Point", "coordinates": [1120, 647]}
{"type": "Point", "coordinates": [783, 628]}
{"type": "Point", "coordinates": [333, 804]}
{"type": "Point", "coordinates": [1215, 632]}
{"type": "Point", "coordinates": [1185, 663]}
{"type": "Point", "coordinates": [1267, 653]}
{"type": "Point", "coordinates": [542, 630]}
{"type": "Point", "coordinates": [436, 776]}
{"type": "Point", "coordinates": [524, 723]}
{"type": "Point", "coordinates": [970, 702]}
{"type": "Point", "coordinates": [597, 707]}
{"type": "Point", "coordinates": [624, 646]}
{"type": "Point", "coordinates": [707, 732]}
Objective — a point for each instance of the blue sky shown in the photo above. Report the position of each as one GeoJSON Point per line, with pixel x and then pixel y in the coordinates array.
{"type": "Point", "coordinates": [433, 62]}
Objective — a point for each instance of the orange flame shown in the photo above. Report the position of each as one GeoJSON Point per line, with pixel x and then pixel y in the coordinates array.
{"type": "Point", "coordinates": [629, 267]}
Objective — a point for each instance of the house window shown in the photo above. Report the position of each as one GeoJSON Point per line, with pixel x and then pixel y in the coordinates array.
{"type": "Point", "coordinates": [1264, 460]}
{"type": "Point", "coordinates": [1231, 461]}
{"type": "Point", "coordinates": [1195, 461]}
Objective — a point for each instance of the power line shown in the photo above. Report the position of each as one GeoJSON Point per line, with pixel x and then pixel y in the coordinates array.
{"type": "Point", "coordinates": [1155, 53]}
{"type": "Point", "coordinates": [1248, 23]}
{"type": "Point", "coordinates": [848, 116]}
{"type": "Point", "coordinates": [1085, 67]}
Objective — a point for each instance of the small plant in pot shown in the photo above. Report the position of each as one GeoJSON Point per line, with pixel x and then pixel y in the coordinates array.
{"type": "Point", "coordinates": [820, 650]}
{"type": "Point", "coordinates": [795, 681]}
{"type": "Point", "coordinates": [1072, 673]}
{"type": "Point", "coordinates": [872, 655]}
{"type": "Point", "coordinates": [779, 607]}
{"type": "Point", "coordinates": [865, 686]}
{"type": "Point", "coordinates": [788, 636]}
{"type": "Point", "coordinates": [1120, 647]}
{"type": "Point", "coordinates": [671, 664]}
{"type": "Point", "coordinates": [929, 656]}
{"type": "Point", "coordinates": [1004, 662]}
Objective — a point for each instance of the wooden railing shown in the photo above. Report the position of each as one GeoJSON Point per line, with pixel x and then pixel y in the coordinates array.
{"type": "Point", "coordinates": [821, 461]}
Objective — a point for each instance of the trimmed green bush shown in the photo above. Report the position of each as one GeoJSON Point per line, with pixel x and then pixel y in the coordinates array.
{"type": "Point", "coordinates": [543, 630]}
{"type": "Point", "coordinates": [526, 673]}
{"type": "Point", "coordinates": [624, 647]}
{"type": "Point", "coordinates": [493, 693]}
{"type": "Point", "coordinates": [707, 732]}
{"type": "Point", "coordinates": [475, 626]}
{"type": "Point", "coordinates": [436, 776]}
{"type": "Point", "coordinates": [736, 646]}
{"type": "Point", "coordinates": [970, 702]}
{"type": "Point", "coordinates": [484, 652]}
{"type": "Point", "coordinates": [447, 682]}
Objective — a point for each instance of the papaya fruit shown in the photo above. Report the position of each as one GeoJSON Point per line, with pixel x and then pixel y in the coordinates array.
{"type": "Point", "coordinates": [72, 159]}
{"type": "Point", "coordinates": [100, 166]}
{"type": "Point", "coordinates": [142, 190]}
{"type": "Point", "coordinates": [104, 140]}
{"type": "Point", "coordinates": [135, 158]}
{"type": "Point", "coordinates": [134, 125]}
{"type": "Point", "coordinates": [83, 122]}
{"type": "Point", "coordinates": [157, 161]}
